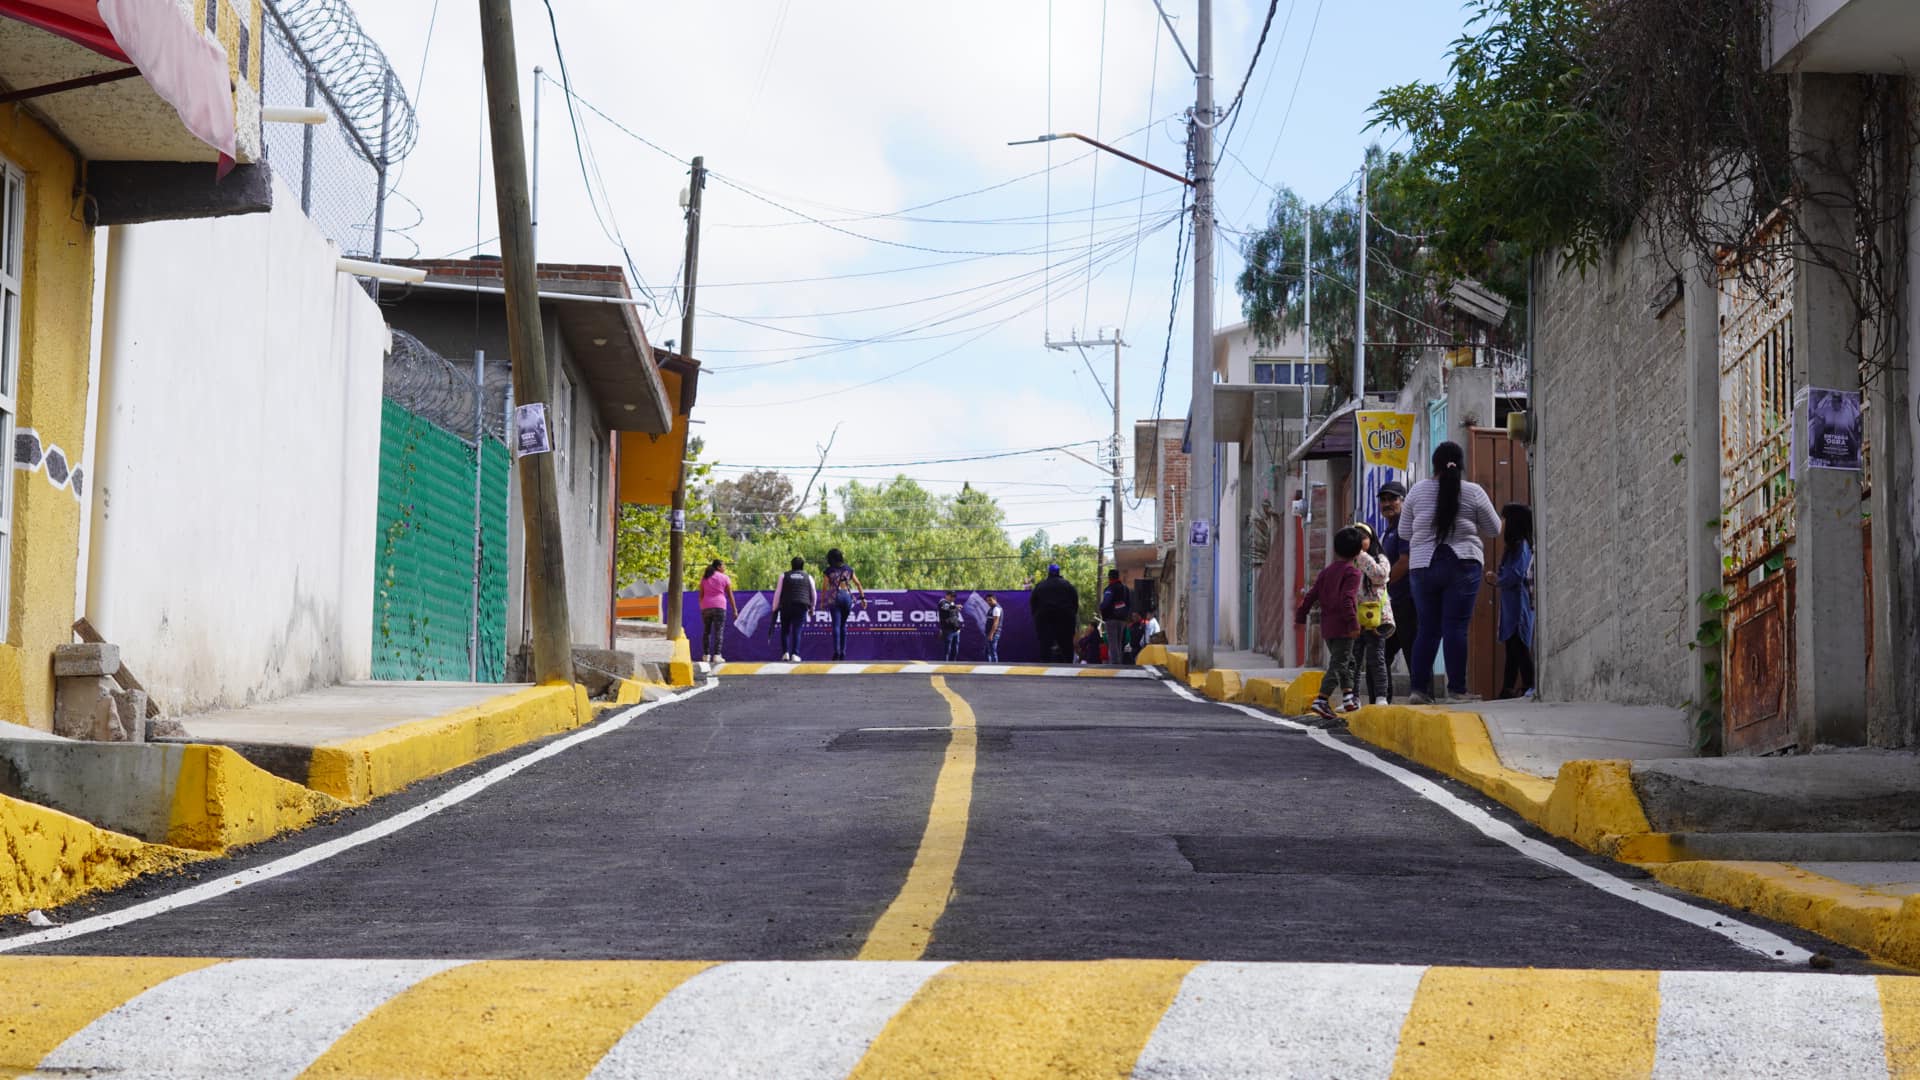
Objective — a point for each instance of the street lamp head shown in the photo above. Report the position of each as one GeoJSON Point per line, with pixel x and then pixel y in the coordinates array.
{"type": "Point", "coordinates": [1030, 142]}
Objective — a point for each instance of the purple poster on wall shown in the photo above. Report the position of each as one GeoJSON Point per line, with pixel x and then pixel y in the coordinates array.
{"type": "Point", "coordinates": [893, 625]}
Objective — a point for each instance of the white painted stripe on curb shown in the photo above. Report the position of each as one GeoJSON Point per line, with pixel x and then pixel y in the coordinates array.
{"type": "Point", "coordinates": [1746, 1027]}
{"type": "Point", "coordinates": [1265, 1020]}
{"type": "Point", "coordinates": [1752, 938]}
{"type": "Point", "coordinates": [748, 1020]}
{"type": "Point", "coordinates": [254, 1018]}
{"type": "Point", "coordinates": [324, 851]}
{"type": "Point", "coordinates": [990, 669]}
{"type": "Point", "coordinates": [848, 669]}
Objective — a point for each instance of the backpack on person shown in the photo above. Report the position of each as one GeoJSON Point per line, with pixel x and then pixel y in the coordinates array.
{"type": "Point", "coordinates": [949, 616]}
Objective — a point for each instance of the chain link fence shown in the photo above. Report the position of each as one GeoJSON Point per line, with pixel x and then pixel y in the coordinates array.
{"type": "Point", "coordinates": [316, 54]}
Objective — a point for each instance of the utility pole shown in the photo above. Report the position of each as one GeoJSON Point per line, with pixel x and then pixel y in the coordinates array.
{"type": "Point", "coordinates": [1202, 499]}
{"type": "Point", "coordinates": [677, 520]}
{"type": "Point", "coordinates": [1100, 555]}
{"type": "Point", "coordinates": [1116, 341]}
{"type": "Point", "coordinates": [533, 229]}
{"type": "Point", "coordinates": [546, 570]}
{"type": "Point", "coordinates": [1360, 350]}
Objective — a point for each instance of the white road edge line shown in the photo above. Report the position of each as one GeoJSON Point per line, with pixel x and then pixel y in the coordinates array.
{"type": "Point", "coordinates": [324, 851]}
{"type": "Point", "coordinates": [1752, 938]}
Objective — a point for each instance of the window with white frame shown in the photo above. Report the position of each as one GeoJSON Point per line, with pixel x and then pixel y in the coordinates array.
{"type": "Point", "coordinates": [12, 209]}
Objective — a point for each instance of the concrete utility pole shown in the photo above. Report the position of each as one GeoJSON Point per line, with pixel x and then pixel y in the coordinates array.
{"type": "Point", "coordinates": [546, 571]}
{"type": "Point", "coordinates": [677, 520]}
{"type": "Point", "coordinates": [1116, 341]}
{"type": "Point", "coordinates": [1202, 499]}
{"type": "Point", "coordinates": [1100, 556]}
{"type": "Point", "coordinates": [1360, 350]}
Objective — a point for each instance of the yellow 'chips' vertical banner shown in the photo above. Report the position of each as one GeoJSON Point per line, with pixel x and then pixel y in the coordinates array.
{"type": "Point", "coordinates": [1385, 437]}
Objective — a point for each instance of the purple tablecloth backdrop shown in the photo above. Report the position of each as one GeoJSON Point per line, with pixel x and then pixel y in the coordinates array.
{"type": "Point", "coordinates": [894, 625]}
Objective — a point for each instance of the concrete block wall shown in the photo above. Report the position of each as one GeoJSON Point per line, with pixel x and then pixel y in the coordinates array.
{"type": "Point", "coordinates": [1173, 490]}
{"type": "Point", "coordinates": [1610, 483]}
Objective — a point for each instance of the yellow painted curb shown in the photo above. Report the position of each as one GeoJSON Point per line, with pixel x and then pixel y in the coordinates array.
{"type": "Point", "coordinates": [1176, 665]}
{"type": "Point", "coordinates": [1152, 656]}
{"type": "Point", "coordinates": [48, 858]}
{"type": "Point", "coordinates": [1882, 926]}
{"type": "Point", "coordinates": [680, 666]}
{"type": "Point", "coordinates": [1298, 697]}
{"type": "Point", "coordinates": [633, 692]}
{"type": "Point", "coordinates": [357, 770]}
{"type": "Point", "coordinates": [1224, 685]}
{"type": "Point", "coordinates": [222, 800]}
{"type": "Point", "coordinates": [1592, 803]}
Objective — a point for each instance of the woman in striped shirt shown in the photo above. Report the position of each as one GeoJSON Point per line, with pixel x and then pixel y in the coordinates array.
{"type": "Point", "coordinates": [1444, 519]}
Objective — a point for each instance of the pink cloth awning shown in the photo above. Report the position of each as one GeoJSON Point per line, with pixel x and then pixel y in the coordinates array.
{"type": "Point", "coordinates": [185, 66]}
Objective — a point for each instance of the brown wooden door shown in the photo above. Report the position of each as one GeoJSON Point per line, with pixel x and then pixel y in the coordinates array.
{"type": "Point", "coordinates": [1499, 464]}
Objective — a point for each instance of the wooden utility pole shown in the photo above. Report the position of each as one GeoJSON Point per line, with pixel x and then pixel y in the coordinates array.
{"type": "Point", "coordinates": [677, 520]}
{"type": "Point", "coordinates": [546, 570]}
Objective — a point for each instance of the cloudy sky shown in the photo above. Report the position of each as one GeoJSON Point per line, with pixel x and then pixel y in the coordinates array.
{"type": "Point", "coordinates": [875, 258]}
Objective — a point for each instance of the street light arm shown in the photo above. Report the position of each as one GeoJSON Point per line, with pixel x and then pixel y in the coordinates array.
{"type": "Point", "coordinates": [1175, 35]}
{"type": "Point", "coordinates": [1114, 150]}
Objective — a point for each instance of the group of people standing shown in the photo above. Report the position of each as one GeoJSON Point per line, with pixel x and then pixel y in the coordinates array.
{"type": "Point", "coordinates": [1054, 602]}
{"type": "Point", "coordinates": [794, 598]}
{"type": "Point", "coordinates": [1411, 591]}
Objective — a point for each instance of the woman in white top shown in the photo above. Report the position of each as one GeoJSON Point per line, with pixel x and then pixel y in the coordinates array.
{"type": "Point", "coordinates": [1444, 519]}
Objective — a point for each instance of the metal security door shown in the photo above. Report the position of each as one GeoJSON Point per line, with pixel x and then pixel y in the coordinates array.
{"type": "Point", "coordinates": [1756, 496]}
{"type": "Point", "coordinates": [1499, 464]}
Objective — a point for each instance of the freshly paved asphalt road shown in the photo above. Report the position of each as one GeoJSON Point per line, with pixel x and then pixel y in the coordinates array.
{"type": "Point", "coordinates": [776, 818]}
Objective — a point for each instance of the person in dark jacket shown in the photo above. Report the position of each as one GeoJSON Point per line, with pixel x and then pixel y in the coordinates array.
{"type": "Point", "coordinates": [1056, 607]}
{"type": "Point", "coordinates": [1116, 603]}
{"type": "Point", "coordinates": [794, 598]}
{"type": "Point", "coordinates": [1336, 592]}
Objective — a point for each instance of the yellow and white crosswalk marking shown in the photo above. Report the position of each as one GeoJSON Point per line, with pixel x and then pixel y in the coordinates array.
{"type": "Point", "coordinates": [1054, 671]}
{"type": "Point", "coordinates": [829, 1019]}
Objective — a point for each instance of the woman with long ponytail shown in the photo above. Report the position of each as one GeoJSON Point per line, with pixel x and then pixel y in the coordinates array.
{"type": "Point", "coordinates": [1444, 520]}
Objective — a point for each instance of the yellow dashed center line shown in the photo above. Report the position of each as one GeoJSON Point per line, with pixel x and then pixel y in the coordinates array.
{"type": "Point", "coordinates": [504, 1018]}
{"type": "Point", "coordinates": [904, 929]}
{"type": "Point", "coordinates": [1474, 1022]}
{"type": "Point", "coordinates": [44, 1000]}
{"type": "Point", "coordinates": [1040, 1019]}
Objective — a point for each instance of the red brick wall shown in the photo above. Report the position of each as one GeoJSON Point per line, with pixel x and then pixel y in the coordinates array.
{"type": "Point", "coordinates": [1173, 490]}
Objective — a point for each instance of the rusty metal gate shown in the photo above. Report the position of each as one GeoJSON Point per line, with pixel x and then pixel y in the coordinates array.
{"type": "Point", "coordinates": [1756, 496]}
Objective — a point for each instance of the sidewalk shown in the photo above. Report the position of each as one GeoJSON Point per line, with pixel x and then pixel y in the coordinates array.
{"type": "Point", "coordinates": [1829, 842]}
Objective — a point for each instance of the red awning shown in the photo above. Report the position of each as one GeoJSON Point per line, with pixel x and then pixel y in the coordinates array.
{"type": "Point", "coordinates": [75, 20]}
{"type": "Point", "coordinates": [185, 66]}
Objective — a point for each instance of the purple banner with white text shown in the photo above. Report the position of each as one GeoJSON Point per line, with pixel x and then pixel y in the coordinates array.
{"type": "Point", "coordinates": [899, 625]}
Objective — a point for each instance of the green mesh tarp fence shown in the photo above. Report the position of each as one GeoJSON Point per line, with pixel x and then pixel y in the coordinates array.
{"type": "Point", "coordinates": [423, 597]}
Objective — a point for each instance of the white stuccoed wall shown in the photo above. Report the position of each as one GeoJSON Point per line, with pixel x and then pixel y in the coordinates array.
{"type": "Point", "coordinates": [232, 547]}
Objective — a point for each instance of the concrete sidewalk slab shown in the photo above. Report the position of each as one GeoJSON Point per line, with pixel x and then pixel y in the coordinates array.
{"type": "Point", "coordinates": [1838, 791]}
{"type": "Point", "coordinates": [340, 712]}
{"type": "Point", "coordinates": [1538, 737]}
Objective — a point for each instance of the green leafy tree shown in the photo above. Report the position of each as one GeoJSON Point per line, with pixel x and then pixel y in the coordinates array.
{"type": "Point", "coordinates": [753, 504]}
{"type": "Point", "coordinates": [1407, 282]}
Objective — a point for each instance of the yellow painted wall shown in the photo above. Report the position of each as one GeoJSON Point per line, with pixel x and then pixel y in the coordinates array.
{"type": "Point", "coordinates": [650, 464]}
{"type": "Point", "coordinates": [55, 328]}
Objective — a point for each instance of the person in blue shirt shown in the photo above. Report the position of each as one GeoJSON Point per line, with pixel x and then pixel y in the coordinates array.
{"type": "Point", "coordinates": [1514, 578]}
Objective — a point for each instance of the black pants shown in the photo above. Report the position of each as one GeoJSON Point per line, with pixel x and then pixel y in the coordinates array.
{"type": "Point", "coordinates": [1056, 637]}
{"type": "Point", "coordinates": [1374, 675]}
{"type": "Point", "coordinates": [1519, 665]}
{"type": "Point", "coordinates": [1400, 644]}
{"type": "Point", "coordinates": [713, 629]}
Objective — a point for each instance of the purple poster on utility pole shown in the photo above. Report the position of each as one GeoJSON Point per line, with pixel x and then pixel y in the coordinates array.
{"type": "Point", "coordinates": [893, 625]}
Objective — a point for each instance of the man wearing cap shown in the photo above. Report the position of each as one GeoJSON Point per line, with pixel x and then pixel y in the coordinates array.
{"type": "Point", "coordinates": [1395, 548]}
{"type": "Point", "coordinates": [1055, 604]}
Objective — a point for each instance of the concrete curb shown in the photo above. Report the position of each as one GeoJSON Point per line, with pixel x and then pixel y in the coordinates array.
{"type": "Point", "coordinates": [1593, 804]}
{"type": "Point", "coordinates": [48, 858]}
{"type": "Point", "coordinates": [680, 666]}
{"type": "Point", "coordinates": [190, 795]}
{"type": "Point", "coordinates": [356, 771]}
